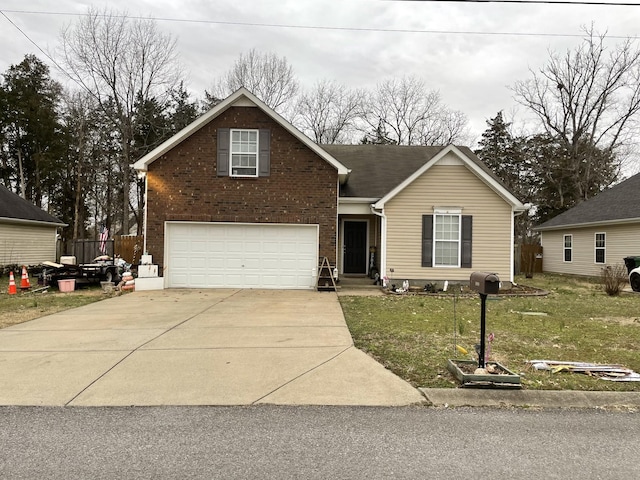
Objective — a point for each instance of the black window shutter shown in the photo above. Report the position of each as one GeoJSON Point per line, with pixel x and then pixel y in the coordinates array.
{"type": "Point", "coordinates": [467, 228]}
{"type": "Point", "coordinates": [427, 240]}
{"type": "Point", "coordinates": [264, 157]}
{"type": "Point", "coordinates": [223, 152]}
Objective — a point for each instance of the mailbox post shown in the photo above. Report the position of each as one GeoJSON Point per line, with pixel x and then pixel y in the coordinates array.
{"type": "Point", "coordinates": [484, 283]}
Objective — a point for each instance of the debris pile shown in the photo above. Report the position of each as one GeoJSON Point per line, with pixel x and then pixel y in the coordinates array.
{"type": "Point", "coordinates": [612, 372]}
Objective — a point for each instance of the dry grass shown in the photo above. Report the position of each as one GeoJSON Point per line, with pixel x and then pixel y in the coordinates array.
{"type": "Point", "coordinates": [23, 307]}
{"type": "Point", "coordinates": [414, 335]}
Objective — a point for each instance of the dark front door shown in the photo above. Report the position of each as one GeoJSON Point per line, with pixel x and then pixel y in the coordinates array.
{"type": "Point", "coordinates": [355, 247]}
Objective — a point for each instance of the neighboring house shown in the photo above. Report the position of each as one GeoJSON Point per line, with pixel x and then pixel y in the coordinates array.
{"type": "Point", "coordinates": [241, 198]}
{"type": "Point", "coordinates": [27, 233]}
{"type": "Point", "coordinates": [597, 232]}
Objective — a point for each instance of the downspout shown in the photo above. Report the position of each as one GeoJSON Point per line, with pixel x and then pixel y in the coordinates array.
{"type": "Point", "coordinates": [516, 213]}
{"type": "Point", "coordinates": [383, 241]}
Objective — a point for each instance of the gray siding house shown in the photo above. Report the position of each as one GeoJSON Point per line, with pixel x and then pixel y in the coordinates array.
{"type": "Point", "coordinates": [600, 231]}
{"type": "Point", "coordinates": [27, 233]}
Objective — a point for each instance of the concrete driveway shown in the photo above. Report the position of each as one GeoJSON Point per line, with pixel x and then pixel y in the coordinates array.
{"type": "Point", "coordinates": [195, 347]}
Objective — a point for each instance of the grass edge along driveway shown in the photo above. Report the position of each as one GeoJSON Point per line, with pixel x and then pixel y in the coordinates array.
{"type": "Point", "coordinates": [414, 335]}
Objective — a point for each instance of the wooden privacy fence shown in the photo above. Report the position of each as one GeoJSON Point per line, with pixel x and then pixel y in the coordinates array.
{"type": "Point", "coordinates": [129, 247]}
{"type": "Point", "coordinates": [86, 250]}
{"type": "Point", "coordinates": [528, 259]}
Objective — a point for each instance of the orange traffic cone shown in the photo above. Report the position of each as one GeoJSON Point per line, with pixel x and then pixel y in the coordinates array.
{"type": "Point", "coordinates": [12, 284]}
{"type": "Point", "coordinates": [24, 282]}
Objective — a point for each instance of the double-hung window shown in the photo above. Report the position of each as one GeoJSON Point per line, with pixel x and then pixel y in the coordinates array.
{"type": "Point", "coordinates": [244, 153]}
{"type": "Point", "coordinates": [601, 246]}
{"type": "Point", "coordinates": [447, 240]}
{"type": "Point", "coordinates": [568, 248]}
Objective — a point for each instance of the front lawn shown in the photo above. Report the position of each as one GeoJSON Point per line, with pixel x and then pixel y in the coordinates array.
{"type": "Point", "coordinates": [23, 307]}
{"type": "Point", "coordinates": [413, 335]}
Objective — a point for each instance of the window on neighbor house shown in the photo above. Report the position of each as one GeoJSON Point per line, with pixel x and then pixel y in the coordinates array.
{"type": "Point", "coordinates": [601, 246]}
{"type": "Point", "coordinates": [244, 153]}
{"type": "Point", "coordinates": [568, 248]}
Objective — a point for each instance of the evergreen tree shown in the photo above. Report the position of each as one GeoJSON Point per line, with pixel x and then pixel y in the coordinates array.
{"type": "Point", "coordinates": [33, 141]}
{"type": "Point", "coordinates": [505, 155]}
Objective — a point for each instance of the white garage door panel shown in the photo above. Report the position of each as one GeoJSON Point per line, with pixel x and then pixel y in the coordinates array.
{"type": "Point", "coordinates": [218, 255]}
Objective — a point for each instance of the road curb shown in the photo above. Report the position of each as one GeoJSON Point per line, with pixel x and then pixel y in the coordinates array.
{"type": "Point", "coordinates": [469, 397]}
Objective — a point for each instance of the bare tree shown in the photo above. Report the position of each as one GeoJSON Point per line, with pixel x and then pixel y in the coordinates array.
{"type": "Point", "coordinates": [588, 99]}
{"type": "Point", "coordinates": [327, 112]}
{"type": "Point", "coordinates": [122, 62]}
{"type": "Point", "coordinates": [412, 115]}
{"type": "Point", "coordinates": [266, 75]}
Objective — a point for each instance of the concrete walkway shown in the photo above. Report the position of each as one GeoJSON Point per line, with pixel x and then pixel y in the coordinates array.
{"type": "Point", "coordinates": [195, 347]}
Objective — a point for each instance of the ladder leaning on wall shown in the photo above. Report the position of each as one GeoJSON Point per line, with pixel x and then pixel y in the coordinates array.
{"type": "Point", "coordinates": [326, 282]}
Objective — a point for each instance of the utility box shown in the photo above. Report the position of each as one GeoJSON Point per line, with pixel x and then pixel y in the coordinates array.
{"type": "Point", "coordinates": [484, 283]}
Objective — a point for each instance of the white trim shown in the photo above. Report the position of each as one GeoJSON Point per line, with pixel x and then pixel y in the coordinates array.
{"type": "Point", "coordinates": [513, 241]}
{"type": "Point", "coordinates": [595, 248]}
{"type": "Point", "coordinates": [23, 221]}
{"type": "Point", "coordinates": [241, 97]}
{"type": "Point", "coordinates": [382, 262]}
{"type": "Point", "coordinates": [145, 218]}
{"type": "Point", "coordinates": [564, 247]}
{"type": "Point", "coordinates": [347, 200]}
{"type": "Point", "coordinates": [603, 223]}
{"type": "Point", "coordinates": [435, 240]}
{"type": "Point", "coordinates": [447, 210]}
{"type": "Point", "coordinates": [470, 164]}
{"type": "Point", "coordinates": [256, 154]}
{"type": "Point", "coordinates": [355, 206]}
{"type": "Point", "coordinates": [366, 247]}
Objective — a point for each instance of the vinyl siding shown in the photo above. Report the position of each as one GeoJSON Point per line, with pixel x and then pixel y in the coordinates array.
{"type": "Point", "coordinates": [621, 241]}
{"type": "Point", "coordinates": [452, 186]}
{"type": "Point", "coordinates": [27, 244]}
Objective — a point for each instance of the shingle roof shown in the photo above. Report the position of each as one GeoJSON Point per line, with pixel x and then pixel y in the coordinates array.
{"type": "Point", "coordinates": [15, 207]}
{"type": "Point", "coordinates": [620, 202]}
{"type": "Point", "coordinates": [378, 169]}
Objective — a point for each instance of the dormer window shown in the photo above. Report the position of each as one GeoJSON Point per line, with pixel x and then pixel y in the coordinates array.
{"type": "Point", "coordinates": [244, 153]}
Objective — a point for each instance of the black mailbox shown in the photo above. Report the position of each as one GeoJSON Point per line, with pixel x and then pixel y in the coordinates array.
{"type": "Point", "coordinates": [484, 283]}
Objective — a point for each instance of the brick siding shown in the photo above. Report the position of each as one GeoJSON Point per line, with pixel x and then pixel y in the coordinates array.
{"type": "Point", "coordinates": [183, 185]}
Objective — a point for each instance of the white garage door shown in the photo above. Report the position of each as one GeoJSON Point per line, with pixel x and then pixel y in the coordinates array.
{"type": "Point", "coordinates": [218, 255]}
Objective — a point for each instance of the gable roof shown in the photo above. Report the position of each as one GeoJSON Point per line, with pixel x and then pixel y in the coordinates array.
{"type": "Point", "coordinates": [381, 171]}
{"type": "Point", "coordinates": [241, 97]}
{"type": "Point", "coordinates": [14, 208]}
{"type": "Point", "coordinates": [618, 204]}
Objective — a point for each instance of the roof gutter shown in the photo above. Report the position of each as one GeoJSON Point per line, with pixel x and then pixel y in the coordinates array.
{"type": "Point", "coordinates": [619, 221]}
{"type": "Point", "coordinates": [42, 223]}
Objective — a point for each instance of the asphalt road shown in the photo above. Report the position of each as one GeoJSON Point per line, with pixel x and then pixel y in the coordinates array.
{"type": "Point", "coordinates": [269, 442]}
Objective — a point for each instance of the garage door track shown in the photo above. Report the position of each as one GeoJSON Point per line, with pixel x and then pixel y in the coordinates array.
{"type": "Point", "coordinates": [195, 347]}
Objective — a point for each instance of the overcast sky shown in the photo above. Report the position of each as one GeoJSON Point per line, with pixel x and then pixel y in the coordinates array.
{"type": "Point", "coordinates": [470, 52]}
